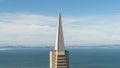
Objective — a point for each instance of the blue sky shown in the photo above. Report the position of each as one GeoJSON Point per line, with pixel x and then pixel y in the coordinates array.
{"type": "Point", "coordinates": [67, 7]}
{"type": "Point", "coordinates": [33, 22]}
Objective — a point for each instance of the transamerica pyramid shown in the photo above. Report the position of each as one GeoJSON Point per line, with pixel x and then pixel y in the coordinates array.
{"type": "Point", "coordinates": [59, 58]}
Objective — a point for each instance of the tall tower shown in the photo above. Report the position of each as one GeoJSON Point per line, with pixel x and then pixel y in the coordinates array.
{"type": "Point", "coordinates": [59, 58]}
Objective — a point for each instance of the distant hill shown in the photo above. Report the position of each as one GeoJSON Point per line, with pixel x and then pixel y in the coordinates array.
{"type": "Point", "coordinates": [5, 45]}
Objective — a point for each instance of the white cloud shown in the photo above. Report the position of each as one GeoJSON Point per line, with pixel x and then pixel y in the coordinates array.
{"type": "Point", "coordinates": [26, 19]}
{"type": "Point", "coordinates": [32, 29]}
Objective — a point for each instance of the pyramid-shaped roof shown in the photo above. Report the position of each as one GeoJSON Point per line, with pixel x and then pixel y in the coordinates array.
{"type": "Point", "coordinates": [59, 44]}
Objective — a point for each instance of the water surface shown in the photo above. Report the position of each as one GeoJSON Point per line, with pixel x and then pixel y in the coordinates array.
{"type": "Point", "coordinates": [79, 57]}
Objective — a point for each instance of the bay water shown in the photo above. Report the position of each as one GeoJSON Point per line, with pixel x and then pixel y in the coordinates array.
{"type": "Point", "coordinates": [79, 57]}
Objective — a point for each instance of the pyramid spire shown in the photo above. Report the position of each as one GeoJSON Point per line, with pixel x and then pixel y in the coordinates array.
{"type": "Point", "coordinates": [59, 44]}
{"type": "Point", "coordinates": [59, 58]}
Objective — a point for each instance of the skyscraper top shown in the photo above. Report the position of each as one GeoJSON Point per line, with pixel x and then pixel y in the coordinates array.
{"type": "Point", "coordinates": [59, 58]}
{"type": "Point", "coordinates": [59, 44]}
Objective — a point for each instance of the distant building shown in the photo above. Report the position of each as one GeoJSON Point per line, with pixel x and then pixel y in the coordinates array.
{"type": "Point", "coordinates": [59, 58]}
